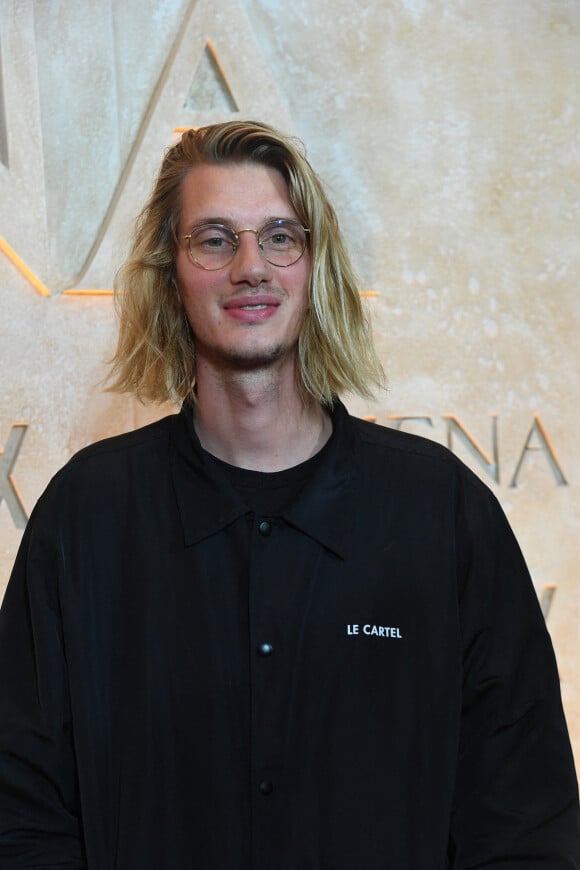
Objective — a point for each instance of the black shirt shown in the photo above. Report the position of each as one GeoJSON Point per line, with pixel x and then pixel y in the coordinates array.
{"type": "Point", "coordinates": [362, 679]}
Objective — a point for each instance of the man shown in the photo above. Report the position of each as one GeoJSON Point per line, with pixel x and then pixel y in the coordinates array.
{"type": "Point", "coordinates": [260, 633]}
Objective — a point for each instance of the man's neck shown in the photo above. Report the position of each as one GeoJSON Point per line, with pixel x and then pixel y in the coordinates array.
{"type": "Point", "coordinates": [258, 421]}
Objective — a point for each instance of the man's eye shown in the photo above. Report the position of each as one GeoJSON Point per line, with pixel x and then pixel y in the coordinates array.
{"type": "Point", "coordinates": [212, 239]}
{"type": "Point", "coordinates": [281, 239]}
{"type": "Point", "coordinates": [214, 242]}
{"type": "Point", "coordinates": [278, 238]}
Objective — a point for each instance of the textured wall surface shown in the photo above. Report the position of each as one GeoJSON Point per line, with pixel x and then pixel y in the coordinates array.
{"type": "Point", "coordinates": [448, 134]}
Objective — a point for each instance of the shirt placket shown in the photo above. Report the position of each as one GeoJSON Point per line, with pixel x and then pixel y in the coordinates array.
{"type": "Point", "coordinates": [266, 664]}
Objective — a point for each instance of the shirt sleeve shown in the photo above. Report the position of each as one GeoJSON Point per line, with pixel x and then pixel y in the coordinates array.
{"type": "Point", "coordinates": [39, 812]}
{"type": "Point", "coordinates": [516, 796]}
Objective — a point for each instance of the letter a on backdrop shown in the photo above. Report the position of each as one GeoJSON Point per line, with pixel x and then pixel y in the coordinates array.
{"type": "Point", "coordinates": [215, 72]}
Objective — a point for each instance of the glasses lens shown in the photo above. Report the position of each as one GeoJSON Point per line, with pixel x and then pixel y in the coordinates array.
{"type": "Point", "coordinates": [212, 246]}
{"type": "Point", "coordinates": [282, 242]}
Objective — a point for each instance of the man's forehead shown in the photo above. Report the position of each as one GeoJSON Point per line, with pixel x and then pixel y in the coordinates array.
{"type": "Point", "coordinates": [227, 191]}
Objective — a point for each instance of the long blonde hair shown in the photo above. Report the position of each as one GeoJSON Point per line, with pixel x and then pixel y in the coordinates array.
{"type": "Point", "coordinates": [155, 355]}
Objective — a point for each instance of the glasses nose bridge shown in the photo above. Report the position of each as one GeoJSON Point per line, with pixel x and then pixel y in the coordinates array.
{"type": "Point", "coordinates": [237, 234]}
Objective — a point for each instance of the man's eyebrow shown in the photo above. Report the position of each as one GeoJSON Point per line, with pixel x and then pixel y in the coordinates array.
{"type": "Point", "coordinates": [228, 222]}
{"type": "Point", "coordinates": [211, 219]}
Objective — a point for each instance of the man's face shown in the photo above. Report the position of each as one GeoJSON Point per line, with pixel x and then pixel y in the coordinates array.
{"type": "Point", "coordinates": [249, 313]}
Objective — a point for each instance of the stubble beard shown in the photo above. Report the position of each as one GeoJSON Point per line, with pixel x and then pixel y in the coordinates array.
{"type": "Point", "coordinates": [258, 359]}
{"type": "Point", "coordinates": [235, 359]}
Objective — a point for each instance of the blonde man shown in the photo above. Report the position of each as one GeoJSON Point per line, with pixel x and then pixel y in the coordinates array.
{"type": "Point", "coordinates": [156, 357]}
{"type": "Point", "coordinates": [260, 634]}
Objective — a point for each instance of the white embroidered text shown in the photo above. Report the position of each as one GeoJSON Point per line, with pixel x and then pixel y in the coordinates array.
{"type": "Point", "coordinates": [375, 630]}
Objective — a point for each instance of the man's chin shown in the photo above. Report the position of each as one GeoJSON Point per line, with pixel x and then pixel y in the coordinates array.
{"type": "Point", "coordinates": [243, 359]}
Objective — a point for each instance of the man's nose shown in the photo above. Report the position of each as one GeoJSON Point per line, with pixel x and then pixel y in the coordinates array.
{"type": "Point", "coordinates": [249, 264]}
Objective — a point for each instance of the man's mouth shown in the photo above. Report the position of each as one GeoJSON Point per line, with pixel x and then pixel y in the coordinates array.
{"type": "Point", "coordinates": [253, 302]}
{"type": "Point", "coordinates": [253, 307]}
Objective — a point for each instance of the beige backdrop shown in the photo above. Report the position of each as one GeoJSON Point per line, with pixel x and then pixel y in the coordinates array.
{"type": "Point", "coordinates": [448, 134]}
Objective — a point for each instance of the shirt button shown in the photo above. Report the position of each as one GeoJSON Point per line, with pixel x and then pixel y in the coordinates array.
{"type": "Point", "coordinates": [265, 528]}
{"type": "Point", "coordinates": [265, 650]}
{"type": "Point", "coordinates": [266, 787]}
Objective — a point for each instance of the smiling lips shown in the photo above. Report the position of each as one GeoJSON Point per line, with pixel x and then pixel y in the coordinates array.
{"type": "Point", "coordinates": [252, 307]}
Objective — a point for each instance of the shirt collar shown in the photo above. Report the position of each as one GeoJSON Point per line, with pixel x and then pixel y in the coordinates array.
{"type": "Point", "coordinates": [208, 503]}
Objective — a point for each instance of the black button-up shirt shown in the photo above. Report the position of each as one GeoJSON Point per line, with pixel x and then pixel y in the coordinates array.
{"type": "Point", "coordinates": [363, 680]}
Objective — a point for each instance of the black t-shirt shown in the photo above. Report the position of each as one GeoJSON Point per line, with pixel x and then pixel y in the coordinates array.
{"type": "Point", "coordinates": [267, 493]}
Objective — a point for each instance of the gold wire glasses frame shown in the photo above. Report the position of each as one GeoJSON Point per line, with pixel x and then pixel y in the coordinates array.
{"type": "Point", "coordinates": [213, 246]}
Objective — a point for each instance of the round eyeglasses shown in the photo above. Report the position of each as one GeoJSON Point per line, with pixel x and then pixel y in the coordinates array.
{"type": "Point", "coordinates": [213, 246]}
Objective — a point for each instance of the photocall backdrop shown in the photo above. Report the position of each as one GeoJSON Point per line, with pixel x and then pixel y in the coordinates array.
{"type": "Point", "coordinates": [447, 133]}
